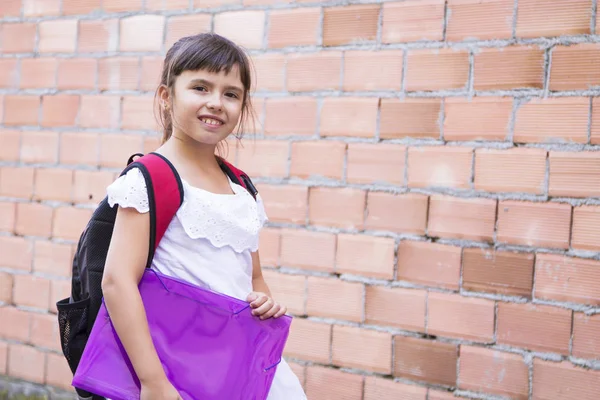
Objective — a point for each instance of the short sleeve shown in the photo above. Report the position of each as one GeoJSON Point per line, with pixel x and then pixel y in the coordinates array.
{"type": "Point", "coordinates": [262, 214]}
{"type": "Point", "coordinates": [129, 190]}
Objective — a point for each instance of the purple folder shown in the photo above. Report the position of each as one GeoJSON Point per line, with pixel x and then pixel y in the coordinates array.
{"type": "Point", "coordinates": [210, 345]}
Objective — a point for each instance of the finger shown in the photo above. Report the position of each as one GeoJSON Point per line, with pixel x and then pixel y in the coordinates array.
{"type": "Point", "coordinates": [274, 310]}
{"type": "Point", "coordinates": [260, 301]}
{"type": "Point", "coordinates": [281, 312]}
{"type": "Point", "coordinates": [265, 307]}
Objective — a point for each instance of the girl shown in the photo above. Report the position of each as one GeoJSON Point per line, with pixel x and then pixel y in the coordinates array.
{"type": "Point", "coordinates": [213, 239]}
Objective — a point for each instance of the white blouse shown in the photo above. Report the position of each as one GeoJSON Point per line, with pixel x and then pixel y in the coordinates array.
{"type": "Point", "coordinates": [209, 230]}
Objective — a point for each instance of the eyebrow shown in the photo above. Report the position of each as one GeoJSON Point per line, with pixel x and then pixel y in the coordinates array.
{"type": "Point", "coordinates": [198, 81]}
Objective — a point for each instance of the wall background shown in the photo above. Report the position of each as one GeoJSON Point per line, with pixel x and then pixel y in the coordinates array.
{"type": "Point", "coordinates": [430, 169]}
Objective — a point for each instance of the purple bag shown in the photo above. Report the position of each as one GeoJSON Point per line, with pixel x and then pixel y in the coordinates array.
{"type": "Point", "coordinates": [210, 345]}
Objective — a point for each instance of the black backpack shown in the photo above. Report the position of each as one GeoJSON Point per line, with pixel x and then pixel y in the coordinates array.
{"type": "Point", "coordinates": [77, 313]}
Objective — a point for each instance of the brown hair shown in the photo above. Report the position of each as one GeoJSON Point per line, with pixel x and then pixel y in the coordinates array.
{"type": "Point", "coordinates": [211, 52]}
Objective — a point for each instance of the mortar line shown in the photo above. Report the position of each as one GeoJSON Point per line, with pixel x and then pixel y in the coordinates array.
{"type": "Point", "coordinates": [446, 20]}
{"type": "Point", "coordinates": [594, 17]}
{"type": "Point", "coordinates": [515, 18]}
{"type": "Point", "coordinates": [547, 68]}
{"type": "Point", "coordinates": [267, 26]}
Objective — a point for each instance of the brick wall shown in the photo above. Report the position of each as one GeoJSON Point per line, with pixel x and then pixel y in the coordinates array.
{"type": "Point", "coordinates": [430, 168]}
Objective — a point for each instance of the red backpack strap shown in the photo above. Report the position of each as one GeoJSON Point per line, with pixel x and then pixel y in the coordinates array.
{"type": "Point", "coordinates": [165, 195]}
{"type": "Point", "coordinates": [238, 176]}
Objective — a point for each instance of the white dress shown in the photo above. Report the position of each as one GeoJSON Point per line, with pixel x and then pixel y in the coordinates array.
{"type": "Point", "coordinates": [209, 230]}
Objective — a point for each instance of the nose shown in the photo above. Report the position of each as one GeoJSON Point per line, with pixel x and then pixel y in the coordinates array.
{"type": "Point", "coordinates": [214, 102]}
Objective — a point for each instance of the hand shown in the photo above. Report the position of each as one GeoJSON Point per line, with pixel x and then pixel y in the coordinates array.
{"type": "Point", "coordinates": [264, 306]}
{"type": "Point", "coordinates": [159, 390]}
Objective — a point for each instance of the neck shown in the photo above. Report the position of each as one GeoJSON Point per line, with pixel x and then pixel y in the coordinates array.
{"type": "Point", "coordinates": [200, 155]}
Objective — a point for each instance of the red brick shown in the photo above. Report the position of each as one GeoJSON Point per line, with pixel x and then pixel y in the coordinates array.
{"type": "Point", "coordinates": [285, 203]}
{"type": "Point", "coordinates": [10, 8]}
{"type": "Point", "coordinates": [58, 373]}
{"type": "Point", "coordinates": [501, 272]}
{"type": "Point", "coordinates": [365, 255]}
{"type": "Point", "coordinates": [429, 264]}
{"type": "Point", "coordinates": [39, 147]}
{"type": "Point", "coordinates": [22, 37]}
{"type": "Point", "coordinates": [270, 71]}
{"type": "Point", "coordinates": [264, 158]}
{"type": "Point", "coordinates": [53, 184]}
{"type": "Point", "coordinates": [452, 315]}
{"type": "Point", "coordinates": [309, 341]}
{"type": "Point", "coordinates": [31, 291]}
{"type": "Point", "coordinates": [348, 306]}
{"type": "Point", "coordinates": [90, 186]}
{"type": "Point", "coordinates": [350, 24]}
{"type": "Point", "coordinates": [38, 73]}
{"type": "Point", "coordinates": [487, 20]}
{"type": "Point", "coordinates": [11, 145]}
{"type": "Point", "coordinates": [318, 159]}
{"type": "Point", "coordinates": [9, 72]}
{"type": "Point", "coordinates": [34, 219]}
{"type": "Point", "coordinates": [78, 7]}
{"type": "Point", "coordinates": [114, 6]}
{"type": "Point", "coordinates": [299, 370]}
{"type": "Point", "coordinates": [21, 110]}
{"type": "Point", "coordinates": [337, 111]}
{"type": "Point", "coordinates": [138, 113]}
{"type": "Point", "coordinates": [333, 384]}
{"type": "Point", "coordinates": [413, 20]}
{"type": "Point", "coordinates": [153, 143]}
{"type": "Point", "coordinates": [70, 222]}
{"type": "Point", "coordinates": [400, 213]}
{"type": "Point", "coordinates": [488, 371]}
{"type": "Point", "coordinates": [295, 27]}
{"type": "Point", "coordinates": [595, 129]}
{"type": "Point", "coordinates": [462, 218]}
{"type": "Point", "coordinates": [16, 182]}
{"type": "Point", "coordinates": [376, 163]}
{"type": "Point", "coordinates": [98, 36]}
{"type": "Point", "coordinates": [314, 71]}
{"type": "Point", "coordinates": [151, 72]}
{"type": "Point", "coordinates": [60, 110]}
{"type": "Point", "coordinates": [3, 351]}
{"type": "Point", "coordinates": [362, 349]}
{"type": "Point", "coordinates": [308, 250]}
{"type": "Point", "coordinates": [41, 8]}
{"type": "Point", "coordinates": [44, 331]}
{"type": "Point", "coordinates": [534, 327]}
{"type": "Point", "coordinates": [439, 395]}
{"type": "Point", "coordinates": [515, 67]}
{"type": "Point", "coordinates": [59, 289]}
{"type": "Point", "coordinates": [573, 66]}
{"type": "Point", "coordinates": [291, 116]}
{"type": "Point", "coordinates": [586, 228]}
{"type": "Point", "coordinates": [77, 73]}
{"type": "Point", "coordinates": [438, 69]}
{"type": "Point", "coordinates": [115, 149]}
{"type": "Point", "coordinates": [410, 118]}
{"type": "Point", "coordinates": [569, 121]}
{"type": "Point", "coordinates": [15, 324]}
{"type": "Point", "coordinates": [567, 279]}
{"type": "Point", "coordinates": [324, 207]}
{"type": "Point", "coordinates": [142, 33]}
{"type": "Point", "coordinates": [440, 166]}
{"type": "Point", "coordinates": [251, 37]}
{"type": "Point", "coordinates": [164, 5]}
{"type": "Point", "coordinates": [373, 70]}
{"type": "Point", "coordinates": [586, 336]}
{"type": "Point", "coordinates": [53, 258]}
{"type": "Point", "coordinates": [288, 290]}
{"type": "Point", "coordinates": [425, 360]}
{"type": "Point", "coordinates": [58, 36]}
{"type": "Point", "coordinates": [395, 307]}
{"type": "Point", "coordinates": [534, 224]}
{"type": "Point", "coordinates": [186, 25]}
{"type": "Point", "coordinates": [502, 170]}
{"type": "Point", "coordinates": [8, 212]}
{"type": "Point", "coordinates": [563, 381]}
{"type": "Point", "coordinates": [6, 287]}
{"type": "Point", "coordinates": [100, 111]}
{"type": "Point", "coordinates": [26, 363]}
{"type": "Point", "coordinates": [270, 246]}
{"type": "Point", "coordinates": [537, 18]}
{"type": "Point", "coordinates": [480, 118]}
{"type": "Point", "coordinates": [574, 174]}
{"type": "Point", "coordinates": [386, 389]}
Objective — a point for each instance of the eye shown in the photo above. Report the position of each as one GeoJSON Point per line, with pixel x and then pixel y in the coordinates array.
{"type": "Point", "coordinates": [200, 88]}
{"type": "Point", "coordinates": [232, 95]}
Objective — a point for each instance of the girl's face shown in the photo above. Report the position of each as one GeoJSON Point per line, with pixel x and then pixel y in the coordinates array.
{"type": "Point", "coordinates": [206, 106]}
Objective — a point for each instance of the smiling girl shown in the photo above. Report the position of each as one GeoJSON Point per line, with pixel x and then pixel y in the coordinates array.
{"type": "Point", "coordinates": [213, 239]}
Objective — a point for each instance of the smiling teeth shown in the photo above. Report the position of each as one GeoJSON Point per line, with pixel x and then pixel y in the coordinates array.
{"type": "Point", "coordinates": [211, 121]}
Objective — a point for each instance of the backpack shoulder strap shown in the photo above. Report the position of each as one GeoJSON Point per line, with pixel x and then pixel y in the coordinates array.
{"type": "Point", "coordinates": [165, 194]}
{"type": "Point", "coordinates": [238, 176]}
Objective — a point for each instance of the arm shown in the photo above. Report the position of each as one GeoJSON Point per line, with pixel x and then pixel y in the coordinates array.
{"type": "Point", "coordinates": [125, 265]}
{"type": "Point", "coordinates": [261, 299]}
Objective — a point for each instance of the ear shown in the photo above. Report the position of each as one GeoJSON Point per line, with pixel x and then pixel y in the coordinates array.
{"type": "Point", "coordinates": [164, 97]}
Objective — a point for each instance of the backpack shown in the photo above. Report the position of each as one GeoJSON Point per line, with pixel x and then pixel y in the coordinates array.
{"type": "Point", "coordinates": [77, 313]}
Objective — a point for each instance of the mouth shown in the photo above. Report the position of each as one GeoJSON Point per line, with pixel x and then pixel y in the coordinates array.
{"type": "Point", "coordinates": [211, 120]}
